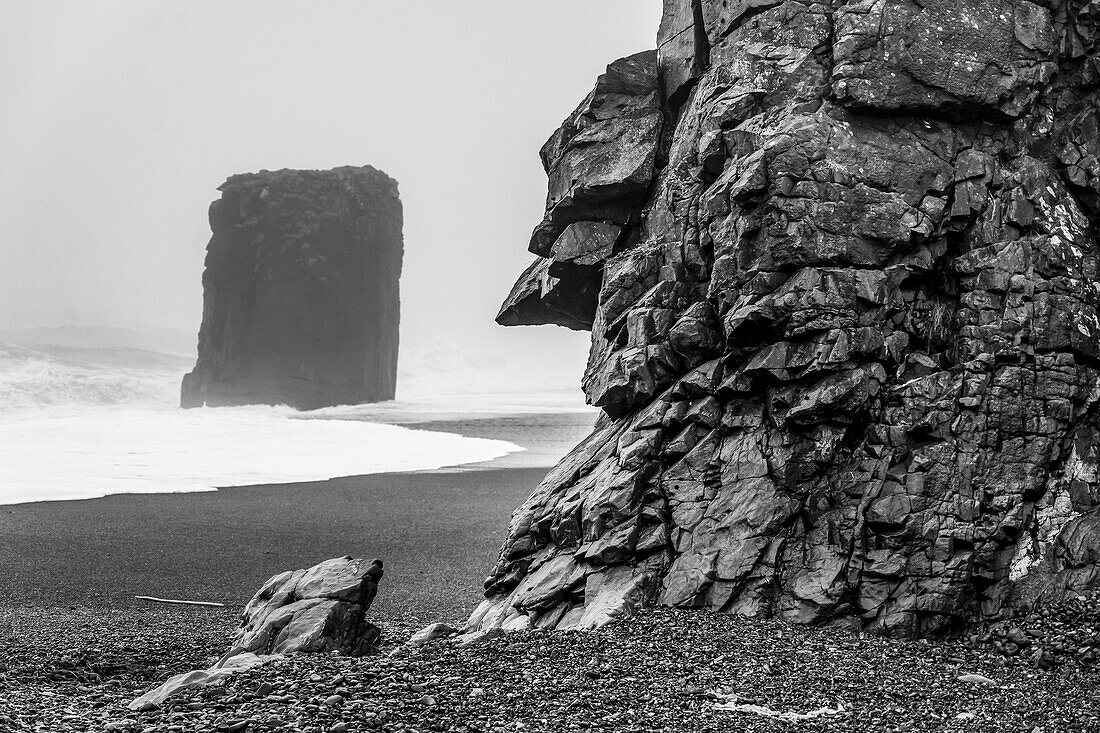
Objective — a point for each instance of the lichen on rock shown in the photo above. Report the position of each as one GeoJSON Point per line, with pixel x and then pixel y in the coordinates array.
{"type": "Point", "coordinates": [845, 327]}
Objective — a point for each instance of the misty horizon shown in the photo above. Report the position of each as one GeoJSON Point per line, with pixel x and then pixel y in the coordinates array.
{"type": "Point", "coordinates": [123, 120]}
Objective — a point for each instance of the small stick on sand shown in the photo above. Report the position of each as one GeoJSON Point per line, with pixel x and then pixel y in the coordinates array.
{"type": "Point", "coordinates": [180, 603]}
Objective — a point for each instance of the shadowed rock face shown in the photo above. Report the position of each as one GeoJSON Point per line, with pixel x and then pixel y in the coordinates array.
{"type": "Point", "coordinates": [600, 163]}
{"type": "Point", "coordinates": [300, 292]}
{"type": "Point", "coordinates": [845, 336]}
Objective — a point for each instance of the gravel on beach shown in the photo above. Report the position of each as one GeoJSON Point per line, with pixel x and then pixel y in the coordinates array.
{"type": "Point", "coordinates": [664, 670]}
{"type": "Point", "coordinates": [75, 647]}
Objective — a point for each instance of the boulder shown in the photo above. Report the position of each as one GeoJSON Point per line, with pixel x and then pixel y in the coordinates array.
{"type": "Point", "coordinates": [846, 325]}
{"type": "Point", "coordinates": [319, 609]}
{"type": "Point", "coordinates": [300, 291]}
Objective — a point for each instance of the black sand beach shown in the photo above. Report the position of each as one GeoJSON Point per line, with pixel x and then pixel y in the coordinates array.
{"type": "Point", "coordinates": [76, 647]}
{"type": "Point", "coordinates": [437, 532]}
{"type": "Point", "coordinates": [69, 570]}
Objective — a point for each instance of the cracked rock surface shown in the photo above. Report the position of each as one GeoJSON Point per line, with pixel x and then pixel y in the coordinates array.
{"type": "Point", "coordinates": [318, 609]}
{"type": "Point", "coordinates": [300, 291]}
{"type": "Point", "coordinates": [840, 266]}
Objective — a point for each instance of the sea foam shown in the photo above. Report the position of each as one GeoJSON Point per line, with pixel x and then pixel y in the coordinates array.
{"type": "Point", "coordinates": [79, 453]}
{"type": "Point", "coordinates": [77, 423]}
{"type": "Point", "coordinates": [47, 377]}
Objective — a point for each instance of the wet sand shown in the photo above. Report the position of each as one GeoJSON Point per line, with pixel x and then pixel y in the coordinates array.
{"type": "Point", "coordinates": [438, 533]}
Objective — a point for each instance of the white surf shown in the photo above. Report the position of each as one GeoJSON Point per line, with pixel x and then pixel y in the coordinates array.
{"type": "Point", "coordinates": [78, 423]}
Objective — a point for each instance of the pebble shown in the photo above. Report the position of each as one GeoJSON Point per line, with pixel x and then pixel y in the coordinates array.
{"type": "Point", "coordinates": [976, 679]}
{"type": "Point", "coordinates": [1066, 632]}
{"type": "Point", "coordinates": [663, 670]}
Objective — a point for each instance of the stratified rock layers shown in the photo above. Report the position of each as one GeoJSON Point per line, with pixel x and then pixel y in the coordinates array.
{"type": "Point", "coordinates": [845, 330]}
{"type": "Point", "coordinates": [301, 303]}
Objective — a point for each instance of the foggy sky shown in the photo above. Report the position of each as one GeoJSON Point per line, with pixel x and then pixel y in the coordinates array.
{"type": "Point", "coordinates": [120, 119]}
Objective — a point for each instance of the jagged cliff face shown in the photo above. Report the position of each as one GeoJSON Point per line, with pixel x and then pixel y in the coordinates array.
{"type": "Point", "coordinates": [844, 322]}
{"type": "Point", "coordinates": [300, 291]}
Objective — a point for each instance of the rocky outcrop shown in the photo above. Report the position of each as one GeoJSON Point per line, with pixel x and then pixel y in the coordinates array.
{"type": "Point", "coordinates": [600, 164]}
{"type": "Point", "coordinates": [845, 333]}
{"type": "Point", "coordinates": [319, 609]}
{"type": "Point", "coordinates": [300, 289]}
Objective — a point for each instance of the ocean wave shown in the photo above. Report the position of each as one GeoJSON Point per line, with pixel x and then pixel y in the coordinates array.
{"type": "Point", "coordinates": [32, 378]}
{"type": "Point", "coordinates": [79, 453]}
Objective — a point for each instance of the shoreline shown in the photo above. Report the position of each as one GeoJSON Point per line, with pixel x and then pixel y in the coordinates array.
{"type": "Point", "coordinates": [77, 645]}
{"type": "Point", "coordinates": [438, 531]}
{"type": "Point", "coordinates": [542, 438]}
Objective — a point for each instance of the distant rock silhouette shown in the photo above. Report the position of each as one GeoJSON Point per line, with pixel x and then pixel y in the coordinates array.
{"type": "Point", "coordinates": [300, 291]}
{"type": "Point", "coordinates": [840, 267]}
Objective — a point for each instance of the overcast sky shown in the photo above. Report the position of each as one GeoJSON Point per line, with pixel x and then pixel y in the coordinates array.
{"type": "Point", "coordinates": [120, 119]}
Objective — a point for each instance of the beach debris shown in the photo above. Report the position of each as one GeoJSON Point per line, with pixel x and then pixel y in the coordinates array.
{"type": "Point", "coordinates": [788, 716]}
{"type": "Point", "coordinates": [176, 602]}
{"type": "Point", "coordinates": [319, 609]}
{"type": "Point", "coordinates": [976, 679]}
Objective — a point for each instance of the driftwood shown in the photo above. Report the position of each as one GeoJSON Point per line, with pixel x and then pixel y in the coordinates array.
{"type": "Point", "coordinates": [180, 603]}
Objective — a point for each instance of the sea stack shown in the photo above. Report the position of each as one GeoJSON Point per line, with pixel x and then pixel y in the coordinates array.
{"type": "Point", "coordinates": [300, 291]}
{"type": "Point", "coordinates": [845, 328]}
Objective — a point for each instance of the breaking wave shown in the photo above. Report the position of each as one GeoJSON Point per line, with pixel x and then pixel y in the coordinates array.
{"type": "Point", "coordinates": [82, 453]}
{"type": "Point", "coordinates": [81, 423]}
{"type": "Point", "coordinates": [31, 378]}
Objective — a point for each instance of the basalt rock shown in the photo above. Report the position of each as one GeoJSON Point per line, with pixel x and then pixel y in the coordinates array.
{"type": "Point", "coordinates": [846, 334]}
{"type": "Point", "coordinates": [318, 609]}
{"type": "Point", "coordinates": [315, 610]}
{"type": "Point", "coordinates": [300, 291]}
{"type": "Point", "coordinates": [600, 163]}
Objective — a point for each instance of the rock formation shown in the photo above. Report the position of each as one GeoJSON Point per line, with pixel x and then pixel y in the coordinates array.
{"type": "Point", "coordinates": [840, 265]}
{"type": "Point", "coordinates": [300, 291]}
{"type": "Point", "coordinates": [319, 609]}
